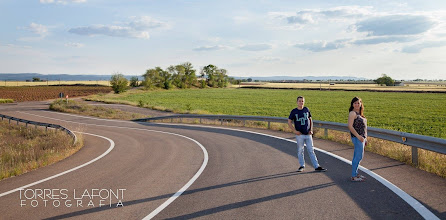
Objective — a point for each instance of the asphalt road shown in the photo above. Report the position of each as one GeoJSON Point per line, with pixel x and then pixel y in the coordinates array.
{"type": "Point", "coordinates": [170, 171]}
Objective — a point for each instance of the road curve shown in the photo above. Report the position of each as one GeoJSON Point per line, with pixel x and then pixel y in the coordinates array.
{"type": "Point", "coordinates": [247, 176]}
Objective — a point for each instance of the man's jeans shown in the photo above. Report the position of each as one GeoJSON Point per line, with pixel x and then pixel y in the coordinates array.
{"type": "Point", "coordinates": [307, 140]}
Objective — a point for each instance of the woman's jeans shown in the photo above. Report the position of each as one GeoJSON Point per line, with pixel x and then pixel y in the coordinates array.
{"type": "Point", "coordinates": [308, 140]}
{"type": "Point", "coordinates": [357, 155]}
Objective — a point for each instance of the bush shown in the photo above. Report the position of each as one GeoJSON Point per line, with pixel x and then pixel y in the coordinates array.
{"type": "Point", "coordinates": [119, 83]}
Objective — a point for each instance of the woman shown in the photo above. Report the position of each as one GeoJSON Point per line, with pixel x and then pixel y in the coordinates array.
{"type": "Point", "coordinates": [357, 124]}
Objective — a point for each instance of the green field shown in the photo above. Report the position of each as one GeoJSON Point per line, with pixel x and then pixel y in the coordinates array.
{"type": "Point", "coordinates": [419, 113]}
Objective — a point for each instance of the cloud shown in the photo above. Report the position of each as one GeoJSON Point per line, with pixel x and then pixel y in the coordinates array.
{"type": "Point", "coordinates": [61, 1]}
{"type": "Point", "coordinates": [138, 27]}
{"type": "Point", "coordinates": [321, 46]}
{"type": "Point", "coordinates": [395, 25]}
{"type": "Point", "coordinates": [37, 29]}
{"type": "Point", "coordinates": [311, 16]}
{"type": "Point", "coordinates": [255, 47]}
{"type": "Point", "coordinates": [77, 45]}
{"type": "Point", "coordinates": [268, 59]}
{"type": "Point", "coordinates": [210, 48]}
{"type": "Point", "coordinates": [416, 48]}
{"type": "Point", "coordinates": [387, 39]}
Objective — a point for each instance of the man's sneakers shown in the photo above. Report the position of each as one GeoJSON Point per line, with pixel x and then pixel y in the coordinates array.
{"type": "Point", "coordinates": [320, 169]}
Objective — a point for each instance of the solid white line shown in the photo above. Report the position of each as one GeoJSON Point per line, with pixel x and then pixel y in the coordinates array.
{"type": "Point", "coordinates": [183, 189]}
{"type": "Point", "coordinates": [112, 145]}
{"type": "Point", "coordinates": [422, 210]}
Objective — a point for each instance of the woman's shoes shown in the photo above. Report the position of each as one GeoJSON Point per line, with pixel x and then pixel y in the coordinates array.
{"type": "Point", "coordinates": [357, 179]}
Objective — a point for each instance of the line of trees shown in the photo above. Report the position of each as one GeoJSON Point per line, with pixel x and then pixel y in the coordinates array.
{"type": "Point", "coordinates": [184, 76]}
{"type": "Point", "coordinates": [180, 76]}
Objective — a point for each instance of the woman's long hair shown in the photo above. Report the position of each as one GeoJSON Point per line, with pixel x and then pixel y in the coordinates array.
{"type": "Point", "coordinates": [361, 109]}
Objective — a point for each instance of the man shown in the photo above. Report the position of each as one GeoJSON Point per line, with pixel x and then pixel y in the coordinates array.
{"type": "Point", "coordinates": [303, 128]}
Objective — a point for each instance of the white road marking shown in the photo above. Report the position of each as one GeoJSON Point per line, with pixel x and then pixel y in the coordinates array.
{"type": "Point", "coordinates": [421, 209]}
{"type": "Point", "coordinates": [112, 145]}
{"type": "Point", "coordinates": [183, 189]}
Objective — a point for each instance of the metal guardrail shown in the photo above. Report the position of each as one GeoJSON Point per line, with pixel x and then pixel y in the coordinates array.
{"type": "Point", "coordinates": [414, 140]}
{"type": "Point", "coordinates": [46, 125]}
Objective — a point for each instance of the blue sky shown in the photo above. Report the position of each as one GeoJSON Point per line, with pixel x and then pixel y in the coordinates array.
{"type": "Point", "coordinates": [403, 39]}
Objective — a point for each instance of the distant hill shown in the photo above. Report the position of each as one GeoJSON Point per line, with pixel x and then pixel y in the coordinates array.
{"type": "Point", "coordinates": [68, 77]}
{"type": "Point", "coordinates": [55, 77]}
{"type": "Point", "coordinates": [301, 78]}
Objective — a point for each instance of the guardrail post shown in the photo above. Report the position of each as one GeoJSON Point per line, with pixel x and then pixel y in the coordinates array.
{"type": "Point", "coordinates": [200, 120]}
{"type": "Point", "coordinates": [415, 156]}
{"type": "Point", "coordinates": [17, 122]}
{"type": "Point", "coordinates": [221, 121]}
{"type": "Point", "coordinates": [26, 125]}
{"type": "Point", "coordinates": [9, 121]}
{"type": "Point", "coordinates": [325, 132]}
{"type": "Point", "coordinates": [171, 120]}
{"type": "Point", "coordinates": [269, 125]}
{"type": "Point", "coordinates": [244, 123]}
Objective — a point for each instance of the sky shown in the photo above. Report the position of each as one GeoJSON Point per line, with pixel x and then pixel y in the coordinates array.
{"type": "Point", "coordinates": [404, 39]}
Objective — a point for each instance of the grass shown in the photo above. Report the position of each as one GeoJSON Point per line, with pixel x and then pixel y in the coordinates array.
{"type": "Point", "coordinates": [24, 149]}
{"type": "Point", "coordinates": [419, 113]}
{"type": "Point", "coordinates": [96, 111]}
{"type": "Point", "coordinates": [6, 101]}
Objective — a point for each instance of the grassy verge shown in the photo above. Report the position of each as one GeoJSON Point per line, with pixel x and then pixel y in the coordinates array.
{"type": "Point", "coordinates": [96, 111]}
{"type": "Point", "coordinates": [6, 101]}
{"type": "Point", "coordinates": [24, 149]}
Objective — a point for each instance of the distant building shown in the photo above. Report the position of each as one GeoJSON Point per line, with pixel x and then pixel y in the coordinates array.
{"type": "Point", "coordinates": [399, 83]}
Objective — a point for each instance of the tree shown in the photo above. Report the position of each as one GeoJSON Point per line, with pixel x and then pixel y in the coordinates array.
{"type": "Point", "coordinates": [134, 81]}
{"type": "Point", "coordinates": [385, 80]}
{"type": "Point", "coordinates": [36, 79]}
{"type": "Point", "coordinates": [215, 77]}
{"type": "Point", "coordinates": [119, 83]}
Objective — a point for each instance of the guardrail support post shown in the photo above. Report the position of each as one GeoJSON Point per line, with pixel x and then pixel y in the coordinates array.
{"type": "Point", "coordinates": [415, 156]}
{"type": "Point", "coordinates": [325, 132]}
{"type": "Point", "coordinates": [221, 121]}
{"type": "Point", "coordinates": [26, 125]}
{"type": "Point", "coordinates": [17, 122]}
{"type": "Point", "coordinates": [200, 120]}
{"type": "Point", "coordinates": [269, 125]}
{"type": "Point", "coordinates": [171, 120]}
{"type": "Point", "coordinates": [244, 123]}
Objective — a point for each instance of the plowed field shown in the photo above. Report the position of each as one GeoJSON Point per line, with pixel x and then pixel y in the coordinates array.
{"type": "Point", "coordinates": [39, 93]}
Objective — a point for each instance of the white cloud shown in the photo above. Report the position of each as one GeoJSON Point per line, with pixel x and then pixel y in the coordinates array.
{"type": "Point", "coordinates": [395, 25]}
{"type": "Point", "coordinates": [386, 39]}
{"type": "Point", "coordinates": [268, 59]}
{"type": "Point", "coordinates": [416, 48]}
{"type": "Point", "coordinates": [210, 48]}
{"type": "Point", "coordinates": [312, 16]}
{"type": "Point", "coordinates": [61, 1]}
{"type": "Point", "coordinates": [320, 46]}
{"type": "Point", "coordinates": [138, 27]}
{"type": "Point", "coordinates": [255, 47]}
{"type": "Point", "coordinates": [76, 45]}
{"type": "Point", "coordinates": [37, 29]}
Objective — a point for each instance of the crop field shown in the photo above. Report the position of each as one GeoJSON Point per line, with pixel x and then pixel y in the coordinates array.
{"type": "Point", "coordinates": [39, 93]}
{"type": "Point", "coordinates": [419, 113]}
{"type": "Point", "coordinates": [414, 87]}
{"type": "Point", "coordinates": [54, 83]}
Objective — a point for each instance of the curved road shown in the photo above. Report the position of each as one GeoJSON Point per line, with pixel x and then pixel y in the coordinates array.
{"type": "Point", "coordinates": [164, 171]}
